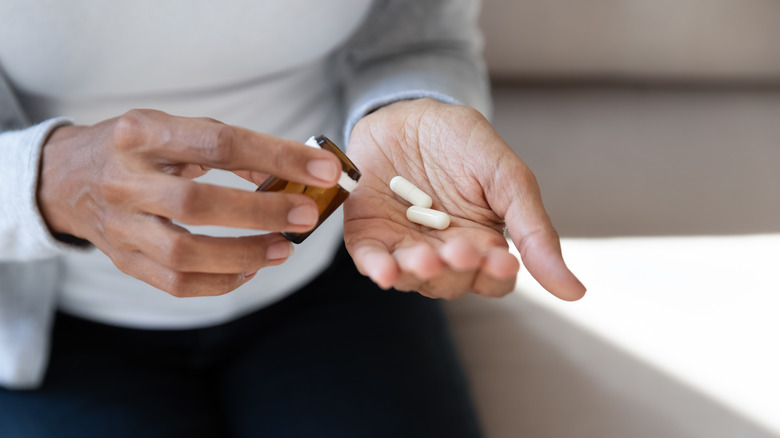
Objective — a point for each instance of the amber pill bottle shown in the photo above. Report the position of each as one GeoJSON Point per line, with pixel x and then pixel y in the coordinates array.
{"type": "Point", "coordinates": [328, 200]}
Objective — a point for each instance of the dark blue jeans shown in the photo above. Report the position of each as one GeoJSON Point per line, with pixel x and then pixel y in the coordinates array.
{"type": "Point", "coordinates": [339, 358]}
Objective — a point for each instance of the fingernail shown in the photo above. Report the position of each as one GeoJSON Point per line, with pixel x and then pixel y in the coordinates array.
{"type": "Point", "coordinates": [279, 250]}
{"type": "Point", "coordinates": [325, 170]}
{"type": "Point", "coordinates": [303, 215]}
{"type": "Point", "coordinates": [249, 275]}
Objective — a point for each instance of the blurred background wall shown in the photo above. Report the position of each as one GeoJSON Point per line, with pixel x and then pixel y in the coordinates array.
{"type": "Point", "coordinates": [640, 118]}
{"type": "Point", "coordinates": [730, 40]}
{"type": "Point", "coordinates": [643, 117]}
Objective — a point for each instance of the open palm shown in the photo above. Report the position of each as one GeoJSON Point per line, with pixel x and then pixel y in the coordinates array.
{"type": "Point", "coordinates": [453, 154]}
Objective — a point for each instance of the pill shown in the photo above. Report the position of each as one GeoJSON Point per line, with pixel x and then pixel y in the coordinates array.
{"type": "Point", "coordinates": [428, 217]}
{"type": "Point", "coordinates": [405, 189]}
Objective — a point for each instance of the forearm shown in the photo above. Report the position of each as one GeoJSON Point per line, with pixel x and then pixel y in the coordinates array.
{"type": "Point", "coordinates": [410, 50]}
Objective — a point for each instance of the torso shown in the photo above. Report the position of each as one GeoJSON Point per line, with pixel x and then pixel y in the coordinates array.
{"type": "Point", "coordinates": [258, 64]}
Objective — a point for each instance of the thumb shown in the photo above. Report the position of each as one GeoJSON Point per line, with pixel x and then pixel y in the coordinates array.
{"type": "Point", "coordinates": [540, 251]}
{"type": "Point", "coordinates": [520, 201]}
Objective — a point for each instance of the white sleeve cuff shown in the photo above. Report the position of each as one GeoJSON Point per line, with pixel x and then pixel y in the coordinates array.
{"type": "Point", "coordinates": [24, 234]}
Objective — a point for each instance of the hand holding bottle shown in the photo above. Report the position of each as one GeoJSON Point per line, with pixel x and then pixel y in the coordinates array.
{"type": "Point", "coordinates": [121, 183]}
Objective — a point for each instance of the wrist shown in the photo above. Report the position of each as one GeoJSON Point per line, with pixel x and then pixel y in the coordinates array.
{"type": "Point", "coordinates": [51, 193]}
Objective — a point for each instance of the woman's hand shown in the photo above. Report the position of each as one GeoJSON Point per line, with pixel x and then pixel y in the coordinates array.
{"type": "Point", "coordinates": [119, 184]}
{"type": "Point", "coordinates": [453, 154]}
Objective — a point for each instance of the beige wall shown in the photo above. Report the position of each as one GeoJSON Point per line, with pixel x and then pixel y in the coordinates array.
{"type": "Point", "coordinates": [688, 39]}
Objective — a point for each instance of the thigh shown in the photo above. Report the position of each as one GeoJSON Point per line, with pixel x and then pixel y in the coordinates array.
{"type": "Point", "coordinates": [101, 381]}
{"type": "Point", "coordinates": [349, 359]}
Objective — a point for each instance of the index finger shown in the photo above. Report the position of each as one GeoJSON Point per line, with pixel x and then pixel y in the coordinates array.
{"type": "Point", "coordinates": [212, 144]}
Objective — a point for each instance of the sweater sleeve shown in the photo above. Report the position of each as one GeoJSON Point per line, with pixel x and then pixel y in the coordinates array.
{"type": "Point", "coordinates": [24, 235]}
{"type": "Point", "coordinates": [412, 49]}
{"type": "Point", "coordinates": [28, 269]}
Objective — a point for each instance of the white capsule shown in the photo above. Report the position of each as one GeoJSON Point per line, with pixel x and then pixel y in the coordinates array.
{"type": "Point", "coordinates": [428, 217]}
{"type": "Point", "coordinates": [410, 192]}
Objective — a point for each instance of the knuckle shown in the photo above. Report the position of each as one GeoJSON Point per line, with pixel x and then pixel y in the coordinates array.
{"type": "Point", "coordinates": [177, 251]}
{"type": "Point", "coordinates": [177, 285]}
{"type": "Point", "coordinates": [121, 260]}
{"type": "Point", "coordinates": [496, 292]}
{"type": "Point", "coordinates": [128, 130]}
{"type": "Point", "coordinates": [502, 292]}
{"type": "Point", "coordinates": [218, 148]}
{"type": "Point", "coordinates": [282, 160]}
{"type": "Point", "coordinates": [209, 120]}
{"type": "Point", "coordinates": [254, 258]}
{"type": "Point", "coordinates": [450, 294]}
{"type": "Point", "coordinates": [464, 111]}
{"type": "Point", "coordinates": [528, 178]}
{"type": "Point", "coordinates": [186, 205]}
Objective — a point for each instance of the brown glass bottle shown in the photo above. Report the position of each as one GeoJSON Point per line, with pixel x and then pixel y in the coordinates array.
{"type": "Point", "coordinates": [328, 199]}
